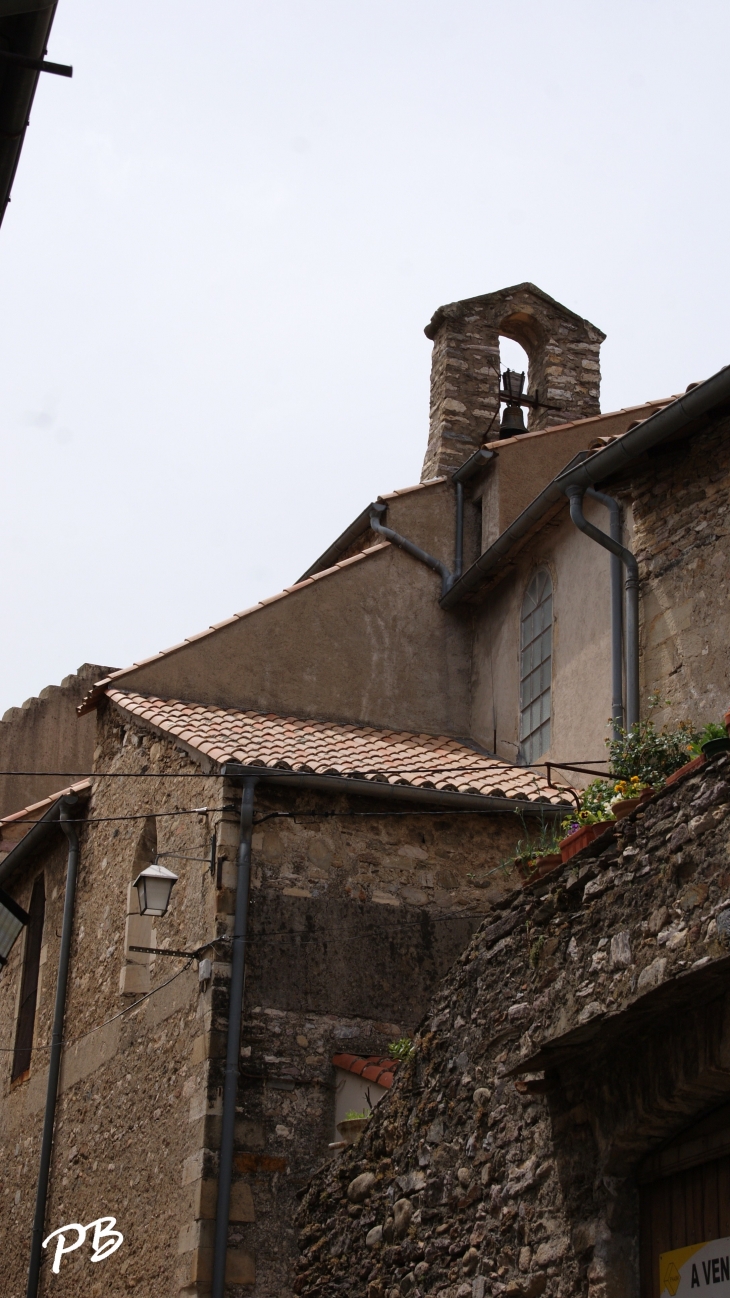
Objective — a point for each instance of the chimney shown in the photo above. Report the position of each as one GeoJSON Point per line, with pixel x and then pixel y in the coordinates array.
{"type": "Point", "coordinates": [564, 372]}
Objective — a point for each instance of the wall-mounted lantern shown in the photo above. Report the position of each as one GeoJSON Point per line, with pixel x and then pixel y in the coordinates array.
{"type": "Point", "coordinates": [12, 920]}
{"type": "Point", "coordinates": [154, 887]}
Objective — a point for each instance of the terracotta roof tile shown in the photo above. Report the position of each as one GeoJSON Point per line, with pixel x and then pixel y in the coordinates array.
{"type": "Point", "coordinates": [372, 1068]}
{"type": "Point", "coordinates": [326, 748]}
{"type": "Point", "coordinates": [36, 809]}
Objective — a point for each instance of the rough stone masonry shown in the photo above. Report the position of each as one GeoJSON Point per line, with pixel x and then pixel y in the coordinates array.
{"type": "Point", "coordinates": [585, 1022]}
{"type": "Point", "coordinates": [564, 368]}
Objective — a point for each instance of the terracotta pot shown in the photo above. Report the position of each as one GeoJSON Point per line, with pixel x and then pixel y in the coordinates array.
{"type": "Point", "coordinates": [694, 765]}
{"type": "Point", "coordinates": [351, 1128]}
{"type": "Point", "coordinates": [627, 805]}
{"type": "Point", "coordinates": [539, 868]}
{"type": "Point", "coordinates": [582, 837]}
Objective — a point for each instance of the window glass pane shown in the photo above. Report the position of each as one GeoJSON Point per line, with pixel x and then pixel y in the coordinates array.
{"type": "Point", "coordinates": [536, 666]}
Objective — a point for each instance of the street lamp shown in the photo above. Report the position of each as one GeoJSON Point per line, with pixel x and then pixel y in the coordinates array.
{"type": "Point", "coordinates": [154, 886]}
{"type": "Point", "coordinates": [12, 919]}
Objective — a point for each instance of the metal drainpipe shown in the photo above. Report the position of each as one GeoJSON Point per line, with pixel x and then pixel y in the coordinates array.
{"type": "Point", "coordinates": [575, 495]}
{"type": "Point", "coordinates": [230, 1086]}
{"type": "Point", "coordinates": [462, 475]}
{"type": "Point", "coordinates": [459, 546]}
{"type": "Point", "coordinates": [54, 1065]}
{"type": "Point", "coordinates": [617, 636]}
{"type": "Point", "coordinates": [447, 579]}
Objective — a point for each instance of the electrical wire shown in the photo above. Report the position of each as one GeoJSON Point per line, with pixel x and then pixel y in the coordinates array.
{"type": "Point", "coordinates": [6, 1050]}
{"type": "Point", "coordinates": [283, 771]}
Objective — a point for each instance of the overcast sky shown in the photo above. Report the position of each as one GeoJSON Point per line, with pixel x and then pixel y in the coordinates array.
{"type": "Point", "coordinates": [229, 229]}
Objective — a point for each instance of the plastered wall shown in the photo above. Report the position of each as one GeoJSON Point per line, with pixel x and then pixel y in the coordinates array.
{"type": "Point", "coordinates": [581, 667]}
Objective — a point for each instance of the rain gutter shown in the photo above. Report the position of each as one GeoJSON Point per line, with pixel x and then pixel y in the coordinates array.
{"type": "Point", "coordinates": [443, 799]}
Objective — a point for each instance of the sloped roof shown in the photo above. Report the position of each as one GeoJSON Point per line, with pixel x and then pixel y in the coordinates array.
{"type": "Point", "coordinates": [327, 748]}
{"type": "Point", "coordinates": [372, 1068]}
{"type": "Point", "coordinates": [36, 809]}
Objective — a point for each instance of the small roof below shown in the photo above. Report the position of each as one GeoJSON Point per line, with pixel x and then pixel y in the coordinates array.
{"type": "Point", "coordinates": [372, 1068]}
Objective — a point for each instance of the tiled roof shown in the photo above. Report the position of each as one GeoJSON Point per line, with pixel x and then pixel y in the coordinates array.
{"type": "Point", "coordinates": [371, 1069]}
{"type": "Point", "coordinates": [36, 809]}
{"type": "Point", "coordinates": [98, 689]}
{"type": "Point", "coordinates": [326, 748]}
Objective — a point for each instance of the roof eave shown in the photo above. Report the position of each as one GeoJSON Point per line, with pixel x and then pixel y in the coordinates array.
{"type": "Point", "coordinates": [19, 83]}
{"type": "Point", "coordinates": [441, 798]}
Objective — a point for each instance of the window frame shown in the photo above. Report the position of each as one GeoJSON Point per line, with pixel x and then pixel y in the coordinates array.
{"type": "Point", "coordinates": [30, 979]}
{"type": "Point", "coordinates": [535, 735]}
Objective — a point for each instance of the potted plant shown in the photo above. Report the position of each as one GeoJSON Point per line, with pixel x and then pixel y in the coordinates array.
{"type": "Point", "coordinates": [589, 820]}
{"type": "Point", "coordinates": [652, 755]}
{"type": "Point", "coordinates": [627, 796]}
{"type": "Point", "coordinates": [352, 1125]}
{"type": "Point", "coordinates": [714, 740]}
{"type": "Point", "coordinates": [536, 854]}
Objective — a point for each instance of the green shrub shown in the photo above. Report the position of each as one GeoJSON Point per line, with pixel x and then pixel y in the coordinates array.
{"type": "Point", "coordinates": [401, 1049]}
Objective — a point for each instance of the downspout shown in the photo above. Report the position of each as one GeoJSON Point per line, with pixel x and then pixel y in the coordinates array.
{"type": "Point", "coordinates": [54, 1066]}
{"type": "Point", "coordinates": [617, 671]}
{"type": "Point", "coordinates": [575, 496]}
{"type": "Point", "coordinates": [447, 579]}
{"type": "Point", "coordinates": [459, 541]}
{"type": "Point", "coordinates": [463, 474]}
{"type": "Point", "coordinates": [230, 1085]}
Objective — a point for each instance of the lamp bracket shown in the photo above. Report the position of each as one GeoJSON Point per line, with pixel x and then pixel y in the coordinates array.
{"type": "Point", "coordinates": [37, 65]}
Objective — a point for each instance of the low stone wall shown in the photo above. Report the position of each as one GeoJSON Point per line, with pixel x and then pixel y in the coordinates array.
{"type": "Point", "coordinates": [576, 1032]}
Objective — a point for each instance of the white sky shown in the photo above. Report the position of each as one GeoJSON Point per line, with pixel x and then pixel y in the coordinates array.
{"type": "Point", "coordinates": [229, 229]}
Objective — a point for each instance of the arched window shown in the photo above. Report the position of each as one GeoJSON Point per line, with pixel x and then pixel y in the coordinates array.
{"type": "Point", "coordinates": [536, 647]}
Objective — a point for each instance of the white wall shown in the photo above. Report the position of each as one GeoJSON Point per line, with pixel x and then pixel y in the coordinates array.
{"type": "Point", "coordinates": [581, 698]}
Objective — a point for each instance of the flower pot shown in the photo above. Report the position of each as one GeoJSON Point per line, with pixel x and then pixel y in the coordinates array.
{"type": "Point", "coordinates": [351, 1128]}
{"type": "Point", "coordinates": [627, 805]}
{"type": "Point", "coordinates": [714, 747]}
{"type": "Point", "coordinates": [694, 765]}
{"type": "Point", "coordinates": [582, 837]}
{"type": "Point", "coordinates": [539, 867]}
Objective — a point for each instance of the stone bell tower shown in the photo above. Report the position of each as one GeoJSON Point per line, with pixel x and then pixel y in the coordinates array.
{"type": "Point", "coordinates": [564, 372]}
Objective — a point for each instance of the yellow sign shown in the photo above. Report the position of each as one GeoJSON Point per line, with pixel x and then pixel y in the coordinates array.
{"type": "Point", "coordinates": [697, 1271]}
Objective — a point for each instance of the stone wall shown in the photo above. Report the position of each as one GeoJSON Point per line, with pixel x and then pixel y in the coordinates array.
{"type": "Point", "coordinates": [680, 500]}
{"type": "Point", "coordinates": [354, 918]}
{"type": "Point", "coordinates": [579, 1030]}
{"type": "Point", "coordinates": [564, 369]}
{"type": "Point", "coordinates": [133, 1090]}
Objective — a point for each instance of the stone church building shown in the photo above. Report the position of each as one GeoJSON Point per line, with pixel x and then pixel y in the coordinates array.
{"type": "Point", "coordinates": [336, 776]}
